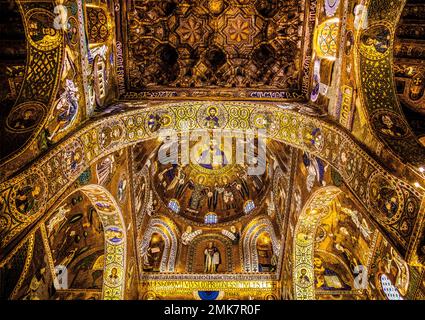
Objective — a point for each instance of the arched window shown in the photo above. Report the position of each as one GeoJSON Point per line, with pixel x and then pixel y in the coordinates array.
{"type": "Point", "coordinates": [249, 206]}
{"type": "Point", "coordinates": [389, 289]}
{"type": "Point", "coordinates": [211, 218]}
{"type": "Point", "coordinates": [174, 205]}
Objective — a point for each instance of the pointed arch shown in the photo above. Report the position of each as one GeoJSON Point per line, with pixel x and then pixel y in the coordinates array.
{"type": "Point", "coordinates": [314, 210]}
{"type": "Point", "coordinates": [289, 125]}
{"type": "Point", "coordinates": [249, 241]}
{"type": "Point", "coordinates": [167, 230]}
{"type": "Point", "coordinates": [198, 245]}
{"type": "Point", "coordinates": [115, 248]}
{"type": "Point", "coordinates": [115, 238]}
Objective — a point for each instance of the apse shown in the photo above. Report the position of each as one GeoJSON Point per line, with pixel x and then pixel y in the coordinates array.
{"type": "Point", "coordinates": [206, 205]}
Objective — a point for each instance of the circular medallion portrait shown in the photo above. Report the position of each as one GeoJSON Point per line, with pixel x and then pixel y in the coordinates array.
{"type": "Point", "coordinates": [41, 32]}
{"type": "Point", "coordinates": [375, 42]}
{"type": "Point", "coordinates": [113, 275]}
{"type": "Point", "coordinates": [28, 195]}
{"type": "Point", "coordinates": [74, 158]}
{"type": "Point", "coordinates": [25, 117]}
{"type": "Point", "coordinates": [347, 160]}
{"type": "Point", "coordinates": [72, 31]}
{"type": "Point", "coordinates": [314, 138]}
{"type": "Point", "coordinates": [212, 117]}
{"type": "Point", "coordinates": [385, 199]}
{"type": "Point", "coordinates": [390, 125]}
{"type": "Point", "coordinates": [158, 120]}
{"type": "Point", "coordinates": [110, 135]}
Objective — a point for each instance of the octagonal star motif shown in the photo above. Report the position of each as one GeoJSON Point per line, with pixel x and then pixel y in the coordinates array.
{"type": "Point", "coordinates": [190, 31]}
{"type": "Point", "coordinates": [240, 30]}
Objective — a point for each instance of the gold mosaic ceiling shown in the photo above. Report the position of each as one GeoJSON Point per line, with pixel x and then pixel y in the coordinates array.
{"type": "Point", "coordinates": [233, 48]}
{"type": "Point", "coordinates": [214, 183]}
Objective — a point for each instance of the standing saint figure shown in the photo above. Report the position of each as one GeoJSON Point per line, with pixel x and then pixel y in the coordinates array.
{"type": "Point", "coordinates": [216, 259]}
{"type": "Point", "coordinates": [212, 258]}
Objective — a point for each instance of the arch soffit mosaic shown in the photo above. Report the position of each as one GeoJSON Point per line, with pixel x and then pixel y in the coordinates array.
{"type": "Point", "coordinates": [169, 232]}
{"type": "Point", "coordinates": [369, 65]}
{"type": "Point", "coordinates": [41, 80]}
{"type": "Point", "coordinates": [292, 127]}
{"type": "Point", "coordinates": [115, 252]}
{"type": "Point", "coordinates": [314, 210]}
{"type": "Point", "coordinates": [115, 248]}
{"type": "Point", "coordinates": [374, 72]}
{"type": "Point", "coordinates": [47, 62]}
{"type": "Point", "coordinates": [305, 248]}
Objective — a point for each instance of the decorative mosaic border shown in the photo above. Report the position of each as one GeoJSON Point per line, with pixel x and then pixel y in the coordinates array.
{"type": "Point", "coordinates": [55, 171]}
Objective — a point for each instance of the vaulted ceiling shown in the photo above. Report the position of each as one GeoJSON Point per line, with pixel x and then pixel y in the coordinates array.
{"type": "Point", "coordinates": [229, 49]}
